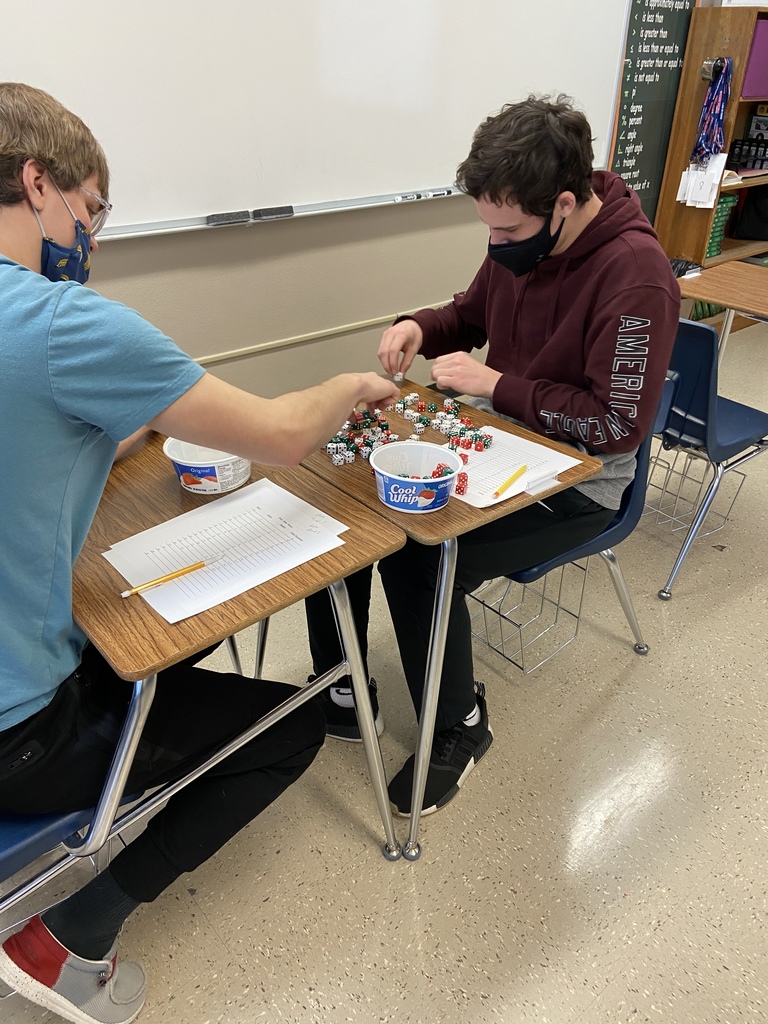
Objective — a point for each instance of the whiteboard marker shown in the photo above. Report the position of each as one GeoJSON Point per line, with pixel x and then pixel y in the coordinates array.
{"type": "Point", "coordinates": [440, 192]}
{"type": "Point", "coordinates": [408, 196]}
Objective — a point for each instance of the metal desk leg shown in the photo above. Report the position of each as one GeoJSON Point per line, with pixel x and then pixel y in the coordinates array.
{"type": "Point", "coordinates": [725, 330]}
{"type": "Point", "coordinates": [412, 850]}
{"type": "Point", "coordinates": [340, 599]}
{"type": "Point", "coordinates": [234, 654]}
{"type": "Point", "coordinates": [261, 646]}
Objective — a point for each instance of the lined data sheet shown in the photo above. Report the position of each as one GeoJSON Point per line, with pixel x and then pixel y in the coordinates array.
{"type": "Point", "coordinates": [488, 470]}
{"type": "Point", "coordinates": [248, 537]}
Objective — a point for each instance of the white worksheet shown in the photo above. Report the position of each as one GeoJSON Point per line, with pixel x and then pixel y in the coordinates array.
{"type": "Point", "coordinates": [249, 536]}
{"type": "Point", "coordinates": [488, 470]}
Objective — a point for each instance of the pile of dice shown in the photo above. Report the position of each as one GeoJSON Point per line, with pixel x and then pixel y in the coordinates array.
{"type": "Point", "coordinates": [365, 432]}
{"type": "Point", "coordinates": [373, 432]}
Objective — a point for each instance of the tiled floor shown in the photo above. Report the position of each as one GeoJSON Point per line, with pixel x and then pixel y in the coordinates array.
{"type": "Point", "coordinates": [604, 865]}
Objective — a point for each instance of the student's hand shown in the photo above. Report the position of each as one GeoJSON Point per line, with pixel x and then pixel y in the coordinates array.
{"type": "Point", "coordinates": [403, 339]}
{"type": "Point", "coordinates": [378, 390]}
{"type": "Point", "coordinates": [460, 372]}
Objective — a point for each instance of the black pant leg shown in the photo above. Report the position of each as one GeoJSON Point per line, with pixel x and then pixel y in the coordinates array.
{"type": "Point", "coordinates": [324, 642]}
{"type": "Point", "coordinates": [194, 713]}
{"type": "Point", "coordinates": [507, 545]}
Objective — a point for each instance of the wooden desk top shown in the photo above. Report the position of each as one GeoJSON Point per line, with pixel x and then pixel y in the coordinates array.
{"type": "Point", "coordinates": [143, 491]}
{"type": "Point", "coordinates": [736, 285]}
{"type": "Point", "coordinates": [457, 517]}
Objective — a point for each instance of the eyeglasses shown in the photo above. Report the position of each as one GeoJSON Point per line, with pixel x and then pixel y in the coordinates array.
{"type": "Point", "coordinates": [98, 219]}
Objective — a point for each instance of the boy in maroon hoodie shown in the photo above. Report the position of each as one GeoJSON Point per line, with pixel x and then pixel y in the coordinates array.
{"type": "Point", "coordinates": [579, 307]}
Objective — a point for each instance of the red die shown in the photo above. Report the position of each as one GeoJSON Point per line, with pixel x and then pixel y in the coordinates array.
{"type": "Point", "coordinates": [461, 488]}
{"type": "Point", "coordinates": [466, 421]}
{"type": "Point", "coordinates": [461, 478]}
{"type": "Point", "coordinates": [463, 456]}
{"type": "Point", "coordinates": [421, 406]}
{"type": "Point", "coordinates": [479, 446]}
{"type": "Point", "coordinates": [465, 442]}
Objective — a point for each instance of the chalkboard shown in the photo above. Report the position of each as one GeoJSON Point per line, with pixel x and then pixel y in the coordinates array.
{"type": "Point", "coordinates": [653, 59]}
{"type": "Point", "coordinates": [207, 108]}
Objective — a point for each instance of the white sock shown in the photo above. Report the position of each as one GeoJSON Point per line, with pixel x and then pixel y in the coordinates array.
{"type": "Point", "coordinates": [342, 695]}
{"type": "Point", "coordinates": [474, 717]}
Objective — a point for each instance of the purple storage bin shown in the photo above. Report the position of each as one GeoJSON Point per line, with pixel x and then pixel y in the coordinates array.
{"type": "Point", "coordinates": [756, 77]}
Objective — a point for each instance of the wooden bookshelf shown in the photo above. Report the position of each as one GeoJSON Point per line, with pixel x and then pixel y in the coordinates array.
{"type": "Point", "coordinates": [715, 32]}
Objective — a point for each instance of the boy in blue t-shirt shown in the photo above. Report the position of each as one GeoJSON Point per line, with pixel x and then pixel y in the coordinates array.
{"type": "Point", "coordinates": [81, 376]}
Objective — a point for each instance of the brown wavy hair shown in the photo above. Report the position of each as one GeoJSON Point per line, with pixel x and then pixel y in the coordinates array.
{"type": "Point", "coordinates": [34, 124]}
{"type": "Point", "coordinates": [529, 153]}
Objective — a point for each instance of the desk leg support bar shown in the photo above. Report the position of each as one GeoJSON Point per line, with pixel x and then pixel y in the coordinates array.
{"type": "Point", "coordinates": [412, 850]}
{"type": "Point", "coordinates": [111, 794]}
{"type": "Point", "coordinates": [340, 599]}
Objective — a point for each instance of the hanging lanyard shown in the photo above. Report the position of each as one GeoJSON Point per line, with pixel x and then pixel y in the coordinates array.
{"type": "Point", "coordinates": [709, 135]}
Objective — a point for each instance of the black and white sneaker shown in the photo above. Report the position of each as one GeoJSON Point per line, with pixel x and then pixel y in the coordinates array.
{"type": "Point", "coordinates": [455, 752]}
{"type": "Point", "coordinates": [341, 718]}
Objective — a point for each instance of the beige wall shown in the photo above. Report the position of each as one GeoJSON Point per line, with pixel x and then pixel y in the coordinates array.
{"type": "Point", "coordinates": [222, 290]}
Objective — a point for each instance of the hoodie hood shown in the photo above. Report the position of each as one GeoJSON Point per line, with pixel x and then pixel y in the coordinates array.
{"type": "Point", "coordinates": [621, 212]}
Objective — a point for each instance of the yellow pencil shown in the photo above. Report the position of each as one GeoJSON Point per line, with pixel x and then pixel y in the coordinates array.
{"type": "Point", "coordinates": [508, 483]}
{"type": "Point", "coordinates": [164, 579]}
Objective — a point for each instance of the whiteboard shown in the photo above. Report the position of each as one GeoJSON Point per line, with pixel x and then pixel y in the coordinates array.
{"type": "Point", "coordinates": [205, 107]}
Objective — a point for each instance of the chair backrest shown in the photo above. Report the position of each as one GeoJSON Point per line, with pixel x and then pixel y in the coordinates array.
{"type": "Point", "coordinates": [691, 421]}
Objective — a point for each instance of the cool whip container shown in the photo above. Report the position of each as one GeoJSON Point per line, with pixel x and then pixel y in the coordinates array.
{"type": "Point", "coordinates": [205, 470]}
{"type": "Point", "coordinates": [395, 466]}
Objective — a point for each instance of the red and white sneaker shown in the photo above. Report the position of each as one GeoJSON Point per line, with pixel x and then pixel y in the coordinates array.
{"type": "Point", "coordinates": [37, 966]}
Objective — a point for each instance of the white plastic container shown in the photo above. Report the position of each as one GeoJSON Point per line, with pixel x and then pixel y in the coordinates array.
{"type": "Point", "coordinates": [393, 463]}
{"type": "Point", "coordinates": [205, 470]}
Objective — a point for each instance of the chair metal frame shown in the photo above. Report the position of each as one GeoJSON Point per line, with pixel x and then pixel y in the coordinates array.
{"type": "Point", "coordinates": [57, 843]}
{"type": "Point", "coordinates": [701, 423]}
{"type": "Point", "coordinates": [502, 612]}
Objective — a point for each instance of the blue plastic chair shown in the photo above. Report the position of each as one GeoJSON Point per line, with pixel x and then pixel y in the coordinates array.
{"type": "Point", "coordinates": [620, 527]}
{"type": "Point", "coordinates": [725, 433]}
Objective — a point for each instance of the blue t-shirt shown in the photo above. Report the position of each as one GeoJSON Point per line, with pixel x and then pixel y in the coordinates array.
{"type": "Point", "coordinates": [78, 373]}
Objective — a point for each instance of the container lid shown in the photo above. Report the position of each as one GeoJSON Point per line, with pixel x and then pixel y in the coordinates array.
{"type": "Point", "coordinates": [194, 454]}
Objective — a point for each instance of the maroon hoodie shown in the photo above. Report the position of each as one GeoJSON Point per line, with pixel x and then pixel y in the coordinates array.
{"type": "Point", "coordinates": [583, 341]}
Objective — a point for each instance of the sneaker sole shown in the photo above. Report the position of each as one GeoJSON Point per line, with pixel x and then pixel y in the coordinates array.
{"type": "Point", "coordinates": [473, 762]}
{"type": "Point", "coordinates": [351, 734]}
{"type": "Point", "coordinates": [28, 987]}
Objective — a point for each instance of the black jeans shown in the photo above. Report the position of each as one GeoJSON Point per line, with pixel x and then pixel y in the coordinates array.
{"type": "Point", "coordinates": [507, 545]}
{"type": "Point", "coordinates": [195, 711]}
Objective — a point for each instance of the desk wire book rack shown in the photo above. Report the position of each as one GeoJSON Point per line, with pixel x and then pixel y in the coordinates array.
{"type": "Point", "coordinates": [530, 623]}
{"type": "Point", "coordinates": [676, 486]}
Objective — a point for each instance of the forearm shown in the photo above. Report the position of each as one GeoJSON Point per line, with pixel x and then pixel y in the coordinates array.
{"type": "Point", "coordinates": [278, 431]}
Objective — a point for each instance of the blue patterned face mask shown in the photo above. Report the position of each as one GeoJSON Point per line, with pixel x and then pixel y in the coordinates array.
{"type": "Point", "coordinates": [66, 263]}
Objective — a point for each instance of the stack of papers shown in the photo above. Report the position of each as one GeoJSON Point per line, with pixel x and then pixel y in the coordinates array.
{"type": "Point", "coordinates": [250, 536]}
{"type": "Point", "coordinates": [700, 183]}
{"type": "Point", "coordinates": [488, 470]}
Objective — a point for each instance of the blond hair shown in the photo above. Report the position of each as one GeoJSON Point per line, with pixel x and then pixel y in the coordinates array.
{"type": "Point", "coordinates": [35, 125]}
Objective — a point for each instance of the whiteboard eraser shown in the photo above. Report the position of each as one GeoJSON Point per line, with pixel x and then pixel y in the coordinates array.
{"type": "Point", "coordinates": [238, 217]}
{"type": "Point", "coordinates": [272, 212]}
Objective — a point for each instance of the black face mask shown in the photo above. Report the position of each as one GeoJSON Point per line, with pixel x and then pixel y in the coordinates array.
{"type": "Point", "coordinates": [522, 257]}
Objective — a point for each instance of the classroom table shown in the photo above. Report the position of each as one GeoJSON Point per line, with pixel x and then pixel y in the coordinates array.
{"type": "Point", "coordinates": [739, 287]}
{"type": "Point", "coordinates": [442, 527]}
{"type": "Point", "coordinates": [143, 491]}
